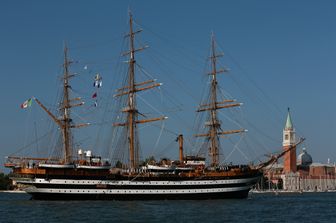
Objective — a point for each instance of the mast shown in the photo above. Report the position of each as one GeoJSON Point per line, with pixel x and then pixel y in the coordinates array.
{"type": "Point", "coordinates": [65, 122]}
{"type": "Point", "coordinates": [66, 131]}
{"type": "Point", "coordinates": [213, 124]}
{"type": "Point", "coordinates": [180, 141]}
{"type": "Point", "coordinates": [130, 91]}
{"type": "Point", "coordinates": [131, 98]}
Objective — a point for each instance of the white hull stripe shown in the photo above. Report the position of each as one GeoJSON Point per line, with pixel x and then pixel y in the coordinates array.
{"type": "Point", "coordinates": [145, 183]}
{"type": "Point", "coordinates": [33, 190]}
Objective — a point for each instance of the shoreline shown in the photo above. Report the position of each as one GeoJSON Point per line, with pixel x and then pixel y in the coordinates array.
{"type": "Point", "coordinates": [287, 192]}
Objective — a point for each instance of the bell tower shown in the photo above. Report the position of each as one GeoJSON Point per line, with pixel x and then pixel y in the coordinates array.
{"type": "Point", "coordinates": [287, 142]}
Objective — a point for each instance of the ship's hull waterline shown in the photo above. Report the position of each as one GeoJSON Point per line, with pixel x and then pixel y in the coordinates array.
{"type": "Point", "coordinates": [58, 189]}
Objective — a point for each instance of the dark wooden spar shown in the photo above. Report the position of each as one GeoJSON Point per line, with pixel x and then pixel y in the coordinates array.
{"type": "Point", "coordinates": [65, 122]}
{"type": "Point", "coordinates": [130, 91]}
{"type": "Point", "coordinates": [213, 124]}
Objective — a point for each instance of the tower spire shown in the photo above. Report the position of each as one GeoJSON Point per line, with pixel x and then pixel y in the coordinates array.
{"type": "Point", "coordinates": [289, 124]}
{"type": "Point", "coordinates": [289, 142]}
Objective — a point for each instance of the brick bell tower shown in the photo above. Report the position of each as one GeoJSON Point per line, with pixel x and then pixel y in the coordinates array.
{"type": "Point", "coordinates": [288, 141]}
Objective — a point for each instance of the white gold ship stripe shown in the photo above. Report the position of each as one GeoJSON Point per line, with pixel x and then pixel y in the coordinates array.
{"type": "Point", "coordinates": [126, 182]}
{"type": "Point", "coordinates": [135, 191]}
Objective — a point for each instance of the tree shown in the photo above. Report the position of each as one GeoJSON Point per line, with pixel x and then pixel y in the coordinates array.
{"type": "Point", "coordinates": [118, 164]}
{"type": "Point", "coordinates": [5, 182]}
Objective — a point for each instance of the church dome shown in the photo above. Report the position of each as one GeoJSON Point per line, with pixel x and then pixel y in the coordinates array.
{"type": "Point", "coordinates": [304, 158]}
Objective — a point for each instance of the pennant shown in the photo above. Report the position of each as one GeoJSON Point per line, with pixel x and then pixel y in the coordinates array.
{"type": "Point", "coordinates": [94, 95]}
{"type": "Point", "coordinates": [26, 104]}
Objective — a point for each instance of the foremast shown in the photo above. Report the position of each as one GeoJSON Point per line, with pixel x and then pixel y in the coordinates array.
{"type": "Point", "coordinates": [130, 91]}
{"type": "Point", "coordinates": [65, 122]}
{"type": "Point", "coordinates": [214, 124]}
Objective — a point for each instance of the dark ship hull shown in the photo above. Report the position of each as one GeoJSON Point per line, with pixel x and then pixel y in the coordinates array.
{"type": "Point", "coordinates": [241, 194]}
{"type": "Point", "coordinates": [121, 187]}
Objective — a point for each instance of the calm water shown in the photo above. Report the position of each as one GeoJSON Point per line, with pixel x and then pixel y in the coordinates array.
{"type": "Point", "coordinates": [307, 207]}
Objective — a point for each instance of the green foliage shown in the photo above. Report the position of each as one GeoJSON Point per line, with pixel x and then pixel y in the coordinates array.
{"type": "Point", "coordinates": [118, 164]}
{"type": "Point", "coordinates": [150, 160]}
{"type": "Point", "coordinates": [5, 182]}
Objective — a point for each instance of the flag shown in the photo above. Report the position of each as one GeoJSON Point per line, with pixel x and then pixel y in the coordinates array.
{"type": "Point", "coordinates": [98, 81]}
{"type": "Point", "coordinates": [94, 95]}
{"type": "Point", "coordinates": [27, 103]}
{"type": "Point", "coordinates": [97, 77]}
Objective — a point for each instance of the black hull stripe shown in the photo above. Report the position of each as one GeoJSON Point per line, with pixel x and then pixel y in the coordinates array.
{"type": "Point", "coordinates": [193, 196]}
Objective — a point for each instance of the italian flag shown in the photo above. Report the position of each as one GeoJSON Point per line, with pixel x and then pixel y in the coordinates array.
{"type": "Point", "coordinates": [27, 103]}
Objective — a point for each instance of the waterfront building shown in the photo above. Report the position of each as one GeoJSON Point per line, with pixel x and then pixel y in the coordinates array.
{"type": "Point", "coordinates": [299, 173]}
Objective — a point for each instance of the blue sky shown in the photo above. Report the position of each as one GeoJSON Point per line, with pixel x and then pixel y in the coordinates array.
{"type": "Point", "coordinates": [281, 54]}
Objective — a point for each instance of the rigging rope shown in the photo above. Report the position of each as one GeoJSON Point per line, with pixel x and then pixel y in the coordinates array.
{"type": "Point", "coordinates": [158, 139]}
{"type": "Point", "coordinates": [236, 148]}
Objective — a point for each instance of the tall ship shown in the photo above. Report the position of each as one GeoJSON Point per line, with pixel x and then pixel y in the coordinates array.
{"type": "Point", "coordinates": [91, 177]}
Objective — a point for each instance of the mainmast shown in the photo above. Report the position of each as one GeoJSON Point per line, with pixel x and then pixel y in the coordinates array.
{"type": "Point", "coordinates": [213, 124]}
{"type": "Point", "coordinates": [66, 131]}
{"type": "Point", "coordinates": [65, 122]}
{"type": "Point", "coordinates": [130, 91]}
